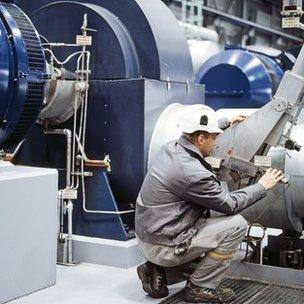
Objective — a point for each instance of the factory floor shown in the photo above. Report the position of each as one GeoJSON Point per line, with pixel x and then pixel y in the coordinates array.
{"type": "Point", "coordinates": [93, 284]}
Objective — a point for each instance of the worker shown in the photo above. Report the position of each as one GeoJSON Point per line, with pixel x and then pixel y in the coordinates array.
{"type": "Point", "coordinates": [173, 228]}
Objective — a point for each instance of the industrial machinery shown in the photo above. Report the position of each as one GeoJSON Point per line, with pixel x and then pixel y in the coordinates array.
{"type": "Point", "coordinates": [271, 136]}
{"type": "Point", "coordinates": [239, 78]}
{"type": "Point", "coordinates": [22, 75]}
{"type": "Point", "coordinates": [108, 71]}
{"type": "Point", "coordinates": [241, 157]}
{"type": "Point", "coordinates": [114, 84]}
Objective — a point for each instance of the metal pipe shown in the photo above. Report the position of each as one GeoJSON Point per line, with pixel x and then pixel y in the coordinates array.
{"type": "Point", "coordinates": [200, 33]}
{"type": "Point", "coordinates": [68, 135]}
{"type": "Point", "coordinates": [69, 209]}
{"type": "Point", "coordinates": [83, 154]}
{"type": "Point", "coordinates": [245, 9]}
{"type": "Point", "coordinates": [80, 130]}
{"type": "Point", "coordinates": [106, 162]}
{"type": "Point", "coordinates": [86, 97]}
{"type": "Point", "coordinates": [60, 44]}
{"type": "Point", "coordinates": [74, 137]}
{"type": "Point", "coordinates": [78, 95]}
{"type": "Point", "coordinates": [66, 60]}
{"type": "Point", "coordinates": [69, 206]}
{"type": "Point", "coordinates": [97, 211]}
{"type": "Point", "coordinates": [61, 202]}
{"type": "Point", "coordinates": [85, 158]}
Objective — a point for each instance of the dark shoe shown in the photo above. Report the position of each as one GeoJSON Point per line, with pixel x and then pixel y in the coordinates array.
{"type": "Point", "coordinates": [195, 294]}
{"type": "Point", "coordinates": [226, 294]}
{"type": "Point", "coordinates": [153, 280]}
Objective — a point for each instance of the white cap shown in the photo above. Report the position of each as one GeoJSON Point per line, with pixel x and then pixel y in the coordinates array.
{"type": "Point", "coordinates": [198, 118]}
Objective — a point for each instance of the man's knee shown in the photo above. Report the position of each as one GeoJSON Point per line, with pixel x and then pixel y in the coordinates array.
{"type": "Point", "coordinates": [239, 229]}
{"type": "Point", "coordinates": [241, 224]}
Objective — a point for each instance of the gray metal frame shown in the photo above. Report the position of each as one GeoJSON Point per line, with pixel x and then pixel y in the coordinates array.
{"type": "Point", "coordinates": [264, 273]}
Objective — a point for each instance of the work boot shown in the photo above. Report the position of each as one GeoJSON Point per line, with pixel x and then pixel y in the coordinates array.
{"type": "Point", "coordinates": [196, 294]}
{"type": "Point", "coordinates": [153, 278]}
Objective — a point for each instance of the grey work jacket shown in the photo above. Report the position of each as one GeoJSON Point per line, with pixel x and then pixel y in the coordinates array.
{"type": "Point", "coordinates": [176, 193]}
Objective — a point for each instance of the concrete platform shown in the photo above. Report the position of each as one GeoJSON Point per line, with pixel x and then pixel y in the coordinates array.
{"type": "Point", "coordinates": [107, 252]}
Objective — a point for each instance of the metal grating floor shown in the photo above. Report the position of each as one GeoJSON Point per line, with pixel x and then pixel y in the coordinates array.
{"type": "Point", "coordinates": [249, 292]}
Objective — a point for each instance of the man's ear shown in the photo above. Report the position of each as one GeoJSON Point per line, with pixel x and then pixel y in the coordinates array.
{"type": "Point", "coordinates": [201, 138]}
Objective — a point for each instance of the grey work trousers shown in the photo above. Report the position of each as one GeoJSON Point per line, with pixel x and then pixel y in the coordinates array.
{"type": "Point", "coordinates": [208, 255]}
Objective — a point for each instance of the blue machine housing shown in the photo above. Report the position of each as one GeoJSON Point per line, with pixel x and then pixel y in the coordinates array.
{"type": "Point", "coordinates": [140, 64]}
{"type": "Point", "coordinates": [239, 79]}
{"type": "Point", "coordinates": [22, 74]}
{"type": "Point", "coordinates": [161, 49]}
{"type": "Point", "coordinates": [134, 107]}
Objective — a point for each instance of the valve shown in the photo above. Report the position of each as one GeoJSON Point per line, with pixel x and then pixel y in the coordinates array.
{"type": "Point", "coordinates": [292, 145]}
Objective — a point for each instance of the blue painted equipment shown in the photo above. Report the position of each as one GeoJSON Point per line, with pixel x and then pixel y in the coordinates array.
{"type": "Point", "coordinates": [140, 63]}
{"type": "Point", "coordinates": [129, 33]}
{"type": "Point", "coordinates": [22, 74]}
{"type": "Point", "coordinates": [239, 79]}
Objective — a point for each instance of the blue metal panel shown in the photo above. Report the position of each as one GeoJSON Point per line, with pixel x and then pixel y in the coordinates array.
{"type": "Point", "coordinates": [121, 118]}
{"type": "Point", "coordinates": [239, 79]}
{"type": "Point", "coordinates": [113, 52]}
{"type": "Point", "coordinates": [99, 196]}
{"type": "Point", "coordinates": [135, 39]}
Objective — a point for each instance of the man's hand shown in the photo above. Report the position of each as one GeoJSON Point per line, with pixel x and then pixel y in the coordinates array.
{"type": "Point", "coordinates": [271, 178]}
{"type": "Point", "coordinates": [236, 119]}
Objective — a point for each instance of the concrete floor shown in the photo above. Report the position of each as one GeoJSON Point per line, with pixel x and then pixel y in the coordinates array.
{"type": "Point", "coordinates": [93, 284]}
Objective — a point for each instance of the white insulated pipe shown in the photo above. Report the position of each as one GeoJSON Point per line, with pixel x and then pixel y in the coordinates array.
{"type": "Point", "coordinates": [199, 33]}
